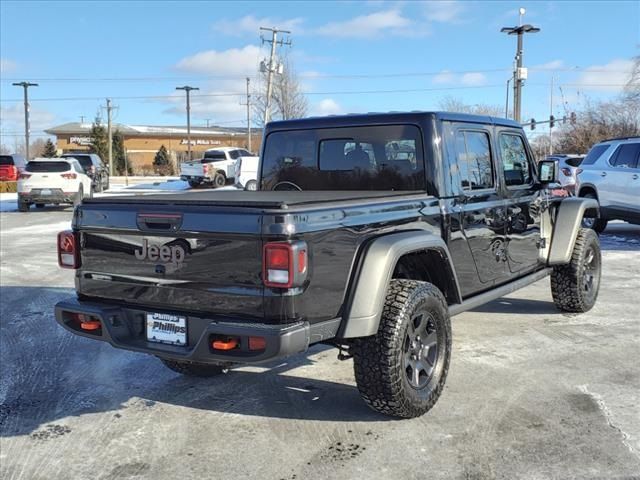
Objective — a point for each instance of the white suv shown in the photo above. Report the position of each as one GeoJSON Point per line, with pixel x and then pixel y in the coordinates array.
{"type": "Point", "coordinates": [611, 174]}
{"type": "Point", "coordinates": [52, 180]}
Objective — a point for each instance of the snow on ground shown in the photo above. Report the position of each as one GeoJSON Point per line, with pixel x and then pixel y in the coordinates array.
{"type": "Point", "coordinates": [8, 202]}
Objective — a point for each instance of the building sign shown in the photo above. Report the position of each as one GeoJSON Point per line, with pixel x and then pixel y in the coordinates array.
{"type": "Point", "coordinates": [80, 140]}
{"type": "Point", "coordinates": [200, 141]}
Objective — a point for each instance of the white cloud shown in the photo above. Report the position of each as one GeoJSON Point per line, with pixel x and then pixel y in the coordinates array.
{"type": "Point", "coordinates": [444, 77]}
{"type": "Point", "coordinates": [327, 106]}
{"type": "Point", "coordinates": [552, 65]}
{"type": "Point", "coordinates": [232, 62]}
{"type": "Point", "coordinates": [251, 25]}
{"type": "Point", "coordinates": [471, 79]}
{"type": "Point", "coordinates": [444, 11]}
{"type": "Point", "coordinates": [474, 79]}
{"type": "Point", "coordinates": [7, 66]}
{"type": "Point", "coordinates": [13, 118]}
{"type": "Point", "coordinates": [611, 77]}
{"type": "Point", "coordinates": [377, 23]}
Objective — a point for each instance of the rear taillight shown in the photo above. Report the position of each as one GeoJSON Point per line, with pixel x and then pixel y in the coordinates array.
{"type": "Point", "coordinates": [24, 176]}
{"type": "Point", "coordinates": [69, 176]}
{"type": "Point", "coordinates": [566, 171]}
{"type": "Point", "coordinates": [68, 250]}
{"type": "Point", "coordinates": [284, 264]}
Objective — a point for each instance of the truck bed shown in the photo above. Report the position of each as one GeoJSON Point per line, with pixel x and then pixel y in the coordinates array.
{"type": "Point", "coordinates": [280, 200]}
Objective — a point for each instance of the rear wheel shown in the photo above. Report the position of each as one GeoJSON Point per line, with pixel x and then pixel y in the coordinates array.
{"type": "Point", "coordinates": [23, 206]}
{"type": "Point", "coordinates": [575, 286]}
{"type": "Point", "coordinates": [402, 369]}
{"type": "Point", "coordinates": [220, 180]}
{"type": "Point", "coordinates": [594, 223]}
{"type": "Point", "coordinates": [251, 185]}
{"type": "Point", "coordinates": [193, 369]}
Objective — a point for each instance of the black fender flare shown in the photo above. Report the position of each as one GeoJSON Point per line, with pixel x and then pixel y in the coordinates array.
{"type": "Point", "coordinates": [369, 286]}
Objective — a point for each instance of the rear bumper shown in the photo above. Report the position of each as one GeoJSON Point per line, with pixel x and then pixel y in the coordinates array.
{"type": "Point", "coordinates": [125, 328]}
{"type": "Point", "coordinates": [55, 197]}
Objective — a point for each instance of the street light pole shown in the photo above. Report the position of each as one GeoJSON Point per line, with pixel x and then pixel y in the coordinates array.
{"type": "Point", "coordinates": [188, 89]}
{"type": "Point", "coordinates": [25, 86]}
{"type": "Point", "coordinates": [520, 73]}
{"type": "Point", "coordinates": [506, 104]}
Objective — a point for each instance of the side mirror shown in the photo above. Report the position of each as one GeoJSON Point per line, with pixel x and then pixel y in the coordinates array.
{"type": "Point", "coordinates": [548, 171]}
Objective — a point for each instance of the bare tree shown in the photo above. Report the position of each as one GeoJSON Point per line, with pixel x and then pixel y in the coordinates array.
{"type": "Point", "coordinates": [452, 104]}
{"type": "Point", "coordinates": [287, 100]}
{"type": "Point", "coordinates": [632, 89]}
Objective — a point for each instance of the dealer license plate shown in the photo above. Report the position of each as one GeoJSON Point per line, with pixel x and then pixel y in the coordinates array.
{"type": "Point", "coordinates": [45, 192]}
{"type": "Point", "coordinates": [165, 328]}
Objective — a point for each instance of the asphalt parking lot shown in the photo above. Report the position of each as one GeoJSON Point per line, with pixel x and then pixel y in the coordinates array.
{"type": "Point", "coordinates": [531, 393]}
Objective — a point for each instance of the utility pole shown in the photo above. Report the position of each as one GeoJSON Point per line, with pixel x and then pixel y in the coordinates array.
{"type": "Point", "coordinates": [520, 73]}
{"type": "Point", "coordinates": [81, 119]}
{"type": "Point", "coordinates": [188, 90]}
{"type": "Point", "coordinates": [25, 86]}
{"type": "Point", "coordinates": [248, 105]}
{"type": "Point", "coordinates": [109, 136]}
{"type": "Point", "coordinates": [272, 67]}
{"type": "Point", "coordinates": [551, 116]}
{"type": "Point", "coordinates": [207, 120]}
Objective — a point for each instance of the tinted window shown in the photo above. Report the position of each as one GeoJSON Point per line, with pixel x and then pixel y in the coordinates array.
{"type": "Point", "coordinates": [85, 160]}
{"type": "Point", "coordinates": [474, 160]}
{"type": "Point", "coordinates": [626, 156]}
{"type": "Point", "coordinates": [574, 162]}
{"type": "Point", "coordinates": [514, 160]}
{"type": "Point", "coordinates": [594, 154]}
{"type": "Point", "coordinates": [215, 155]}
{"type": "Point", "coordinates": [36, 167]}
{"type": "Point", "coordinates": [234, 154]}
{"type": "Point", "coordinates": [359, 158]}
{"type": "Point", "coordinates": [245, 153]}
{"type": "Point", "coordinates": [6, 160]}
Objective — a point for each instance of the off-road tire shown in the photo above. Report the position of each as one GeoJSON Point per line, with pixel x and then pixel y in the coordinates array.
{"type": "Point", "coordinates": [569, 283]}
{"type": "Point", "coordinates": [192, 369]}
{"type": "Point", "coordinates": [379, 361]}
{"type": "Point", "coordinates": [598, 224]}
{"type": "Point", "coordinates": [23, 206]}
{"type": "Point", "coordinates": [39, 205]}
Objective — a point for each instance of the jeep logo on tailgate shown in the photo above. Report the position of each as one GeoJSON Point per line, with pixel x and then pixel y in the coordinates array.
{"type": "Point", "coordinates": [164, 253]}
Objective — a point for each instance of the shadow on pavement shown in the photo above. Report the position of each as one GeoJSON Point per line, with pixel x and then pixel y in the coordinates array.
{"type": "Point", "coordinates": [50, 374]}
{"type": "Point", "coordinates": [520, 306]}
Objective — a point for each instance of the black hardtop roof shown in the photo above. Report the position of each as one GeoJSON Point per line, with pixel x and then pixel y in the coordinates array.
{"type": "Point", "coordinates": [351, 120]}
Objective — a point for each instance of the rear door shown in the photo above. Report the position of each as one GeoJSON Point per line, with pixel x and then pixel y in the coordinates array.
{"type": "Point", "coordinates": [619, 189]}
{"type": "Point", "coordinates": [479, 208]}
{"type": "Point", "coordinates": [520, 190]}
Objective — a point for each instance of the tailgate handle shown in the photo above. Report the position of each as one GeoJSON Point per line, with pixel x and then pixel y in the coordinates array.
{"type": "Point", "coordinates": [159, 221]}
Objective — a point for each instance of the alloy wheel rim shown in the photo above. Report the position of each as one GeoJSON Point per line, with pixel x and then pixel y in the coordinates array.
{"type": "Point", "coordinates": [590, 277]}
{"type": "Point", "coordinates": [420, 350]}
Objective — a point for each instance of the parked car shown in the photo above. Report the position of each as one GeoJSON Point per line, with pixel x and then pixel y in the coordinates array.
{"type": "Point", "coordinates": [246, 172]}
{"type": "Point", "coordinates": [52, 180]}
{"type": "Point", "coordinates": [611, 175]}
{"type": "Point", "coordinates": [94, 167]}
{"type": "Point", "coordinates": [215, 168]}
{"type": "Point", "coordinates": [349, 241]}
{"type": "Point", "coordinates": [568, 170]}
{"type": "Point", "coordinates": [10, 167]}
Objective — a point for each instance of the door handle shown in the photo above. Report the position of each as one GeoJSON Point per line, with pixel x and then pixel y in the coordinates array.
{"type": "Point", "coordinates": [603, 174]}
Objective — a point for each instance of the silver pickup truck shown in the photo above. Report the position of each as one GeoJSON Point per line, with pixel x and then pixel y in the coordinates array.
{"type": "Point", "coordinates": [215, 168]}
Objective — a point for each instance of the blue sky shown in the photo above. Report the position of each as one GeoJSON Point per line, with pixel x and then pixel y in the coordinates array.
{"type": "Point", "coordinates": [85, 51]}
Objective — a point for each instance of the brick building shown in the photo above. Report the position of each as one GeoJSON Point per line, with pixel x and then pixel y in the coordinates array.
{"type": "Point", "coordinates": [141, 142]}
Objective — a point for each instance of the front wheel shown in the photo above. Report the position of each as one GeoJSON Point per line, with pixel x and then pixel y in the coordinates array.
{"type": "Point", "coordinates": [251, 185]}
{"type": "Point", "coordinates": [98, 186]}
{"type": "Point", "coordinates": [575, 286]}
{"type": "Point", "coordinates": [401, 371]}
{"type": "Point", "coordinates": [193, 369]}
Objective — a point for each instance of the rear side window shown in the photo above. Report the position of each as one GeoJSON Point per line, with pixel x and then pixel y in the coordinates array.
{"type": "Point", "coordinates": [626, 156]}
{"type": "Point", "coordinates": [517, 170]}
{"type": "Point", "coordinates": [38, 167]}
{"type": "Point", "coordinates": [234, 154]}
{"type": "Point", "coordinates": [386, 157]}
{"type": "Point", "coordinates": [594, 154]}
{"type": "Point", "coordinates": [6, 160]}
{"type": "Point", "coordinates": [215, 155]}
{"type": "Point", "coordinates": [574, 162]}
{"type": "Point", "coordinates": [474, 160]}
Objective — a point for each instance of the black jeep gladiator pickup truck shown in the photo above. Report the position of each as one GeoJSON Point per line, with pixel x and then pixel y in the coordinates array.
{"type": "Point", "coordinates": [367, 232]}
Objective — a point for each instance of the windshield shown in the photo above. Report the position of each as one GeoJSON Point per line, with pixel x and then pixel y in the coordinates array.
{"type": "Point", "coordinates": [37, 167]}
{"type": "Point", "coordinates": [351, 158]}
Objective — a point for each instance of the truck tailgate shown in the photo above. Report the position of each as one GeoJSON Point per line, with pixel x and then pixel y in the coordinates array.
{"type": "Point", "coordinates": [192, 169]}
{"type": "Point", "coordinates": [189, 258]}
